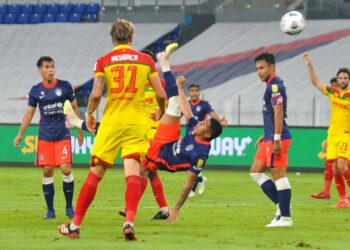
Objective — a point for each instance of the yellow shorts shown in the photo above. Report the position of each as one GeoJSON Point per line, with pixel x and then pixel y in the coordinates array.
{"type": "Point", "coordinates": [151, 132]}
{"type": "Point", "coordinates": [153, 125]}
{"type": "Point", "coordinates": [131, 139]}
{"type": "Point", "coordinates": [338, 146]}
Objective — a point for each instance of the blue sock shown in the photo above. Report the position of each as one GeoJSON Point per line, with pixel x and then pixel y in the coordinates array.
{"type": "Point", "coordinates": [269, 188]}
{"type": "Point", "coordinates": [170, 84]}
{"type": "Point", "coordinates": [68, 190]}
{"type": "Point", "coordinates": [49, 192]}
{"type": "Point", "coordinates": [284, 197]}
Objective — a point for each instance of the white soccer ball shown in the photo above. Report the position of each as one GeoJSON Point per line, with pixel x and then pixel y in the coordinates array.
{"type": "Point", "coordinates": [293, 23]}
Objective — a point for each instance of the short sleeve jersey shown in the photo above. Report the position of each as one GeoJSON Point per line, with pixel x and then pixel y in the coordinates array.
{"type": "Point", "coordinates": [200, 110]}
{"type": "Point", "coordinates": [340, 106]}
{"type": "Point", "coordinates": [50, 99]}
{"type": "Point", "coordinates": [126, 71]}
{"type": "Point", "coordinates": [275, 94]}
{"type": "Point", "coordinates": [185, 154]}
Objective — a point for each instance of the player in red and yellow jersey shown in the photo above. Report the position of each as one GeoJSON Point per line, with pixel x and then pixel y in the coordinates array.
{"type": "Point", "coordinates": [338, 139]}
{"type": "Point", "coordinates": [124, 73]}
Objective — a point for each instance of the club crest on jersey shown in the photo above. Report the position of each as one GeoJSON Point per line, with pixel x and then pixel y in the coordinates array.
{"type": "Point", "coordinates": [58, 92]}
{"type": "Point", "coordinates": [189, 147]}
{"type": "Point", "coordinates": [42, 93]}
{"type": "Point", "coordinates": [274, 88]}
{"type": "Point", "coordinates": [198, 108]}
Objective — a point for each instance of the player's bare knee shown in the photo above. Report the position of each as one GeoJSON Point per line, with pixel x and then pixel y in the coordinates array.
{"type": "Point", "coordinates": [66, 169]}
{"type": "Point", "coordinates": [48, 171]}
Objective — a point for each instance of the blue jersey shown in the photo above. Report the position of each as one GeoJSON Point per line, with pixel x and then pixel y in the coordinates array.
{"type": "Point", "coordinates": [275, 94]}
{"type": "Point", "coordinates": [185, 154]}
{"type": "Point", "coordinates": [50, 100]}
{"type": "Point", "coordinates": [200, 110]}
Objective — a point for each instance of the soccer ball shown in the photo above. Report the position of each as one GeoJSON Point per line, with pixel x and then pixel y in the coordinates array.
{"type": "Point", "coordinates": [292, 23]}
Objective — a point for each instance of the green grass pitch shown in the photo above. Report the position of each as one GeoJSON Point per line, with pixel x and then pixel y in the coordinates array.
{"type": "Point", "coordinates": [231, 214]}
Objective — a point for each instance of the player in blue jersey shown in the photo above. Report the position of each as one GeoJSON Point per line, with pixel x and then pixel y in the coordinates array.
{"type": "Point", "coordinates": [54, 142]}
{"type": "Point", "coordinates": [273, 146]}
{"type": "Point", "coordinates": [201, 110]}
{"type": "Point", "coordinates": [167, 150]}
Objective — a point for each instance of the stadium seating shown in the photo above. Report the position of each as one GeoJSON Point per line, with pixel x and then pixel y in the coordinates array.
{"type": "Point", "coordinates": [9, 18]}
{"type": "Point", "coordinates": [14, 9]}
{"type": "Point", "coordinates": [49, 18]}
{"type": "Point", "coordinates": [49, 12]}
{"type": "Point", "coordinates": [36, 18]}
{"type": "Point", "coordinates": [39, 8]}
{"type": "Point", "coordinates": [75, 18]}
{"type": "Point", "coordinates": [3, 9]}
{"type": "Point", "coordinates": [23, 18]}
{"type": "Point", "coordinates": [62, 17]}
{"type": "Point", "coordinates": [27, 8]}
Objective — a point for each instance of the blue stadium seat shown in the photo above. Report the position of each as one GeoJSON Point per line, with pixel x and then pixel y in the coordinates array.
{"type": "Point", "coordinates": [53, 8]}
{"type": "Point", "coordinates": [66, 8]}
{"type": "Point", "coordinates": [39, 8]}
{"type": "Point", "coordinates": [92, 8]}
{"type": "Point", "coordinates": [62, 17]}
{"type": "Point", "coordinates": [1, 17]}
{"type": "Point", "coordinates": [14, 8]}
{"type": "Point", "coordinates": [3, 9]}
{"type": "Point", "coordinates": [49, 18]}
{"type": "Point", "coordinates": [9, 18]}
{"type": "Point", "coordinates": [27, 8]}
{"type": "Point", "coordinates": [23, 18]}
{"type": "Point", "coordinates": [75, 17]}
{"type": "Point", "coordinates": [91, 17]}
{"type": "Point", "coordinates": [79, 8]}
{"type": "Point", "coordinates": [36, 18]}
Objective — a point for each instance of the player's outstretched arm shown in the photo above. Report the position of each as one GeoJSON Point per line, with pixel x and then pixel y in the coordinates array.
{"type": "Point", "coordinates": [174, 212]}
{"type": "Point", "coordinates": [160, 93]}
{"type": "Point", "coordinates": [94, 101]}
{"type": "Point", "coordinates": [312, 73]}
{"type": "Point", "coordinates": [185, 106]}
{"type": "Point", "coordinates": [27, 119]}
{"type": "Point", "coordinates": [77, 112]}
{"type": "Point", "coordinates": [222, 120]}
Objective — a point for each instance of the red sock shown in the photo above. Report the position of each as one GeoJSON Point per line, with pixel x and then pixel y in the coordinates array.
{"type": "Point", "coordinates": [158, 191]}
{"type": "Point", "coordinates": [144, 182]}
{"type": "Point", "coordinates": [132, 196]}
{"type": "Point", "coordinates": [339, 182]}
{"type": "Point", "coordinates": [346, 175]}
{"type": "Point", "coordinates": [328, 177]}
{"type": "Point", "coordinates": [86, 196]}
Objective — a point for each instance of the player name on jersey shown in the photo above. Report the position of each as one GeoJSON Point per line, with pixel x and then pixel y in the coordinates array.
{"type": "Point", "coordinates": [124, 57]}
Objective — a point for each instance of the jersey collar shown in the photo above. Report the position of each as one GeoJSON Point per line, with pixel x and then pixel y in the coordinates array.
{"type": "Point", "coordinates": [201, 141]}
{"type": "Point", "coordinates": [122, 46]}
{"type": "Point", "coordinates": [196, 102]}
{"type": "Point", "coordinates": [270, 78]}
{"type": "Point", "coordinates": [50, 86]}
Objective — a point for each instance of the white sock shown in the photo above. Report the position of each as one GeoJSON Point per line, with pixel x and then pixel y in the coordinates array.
{"type": "Point", "coordinates": [73, 227]}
